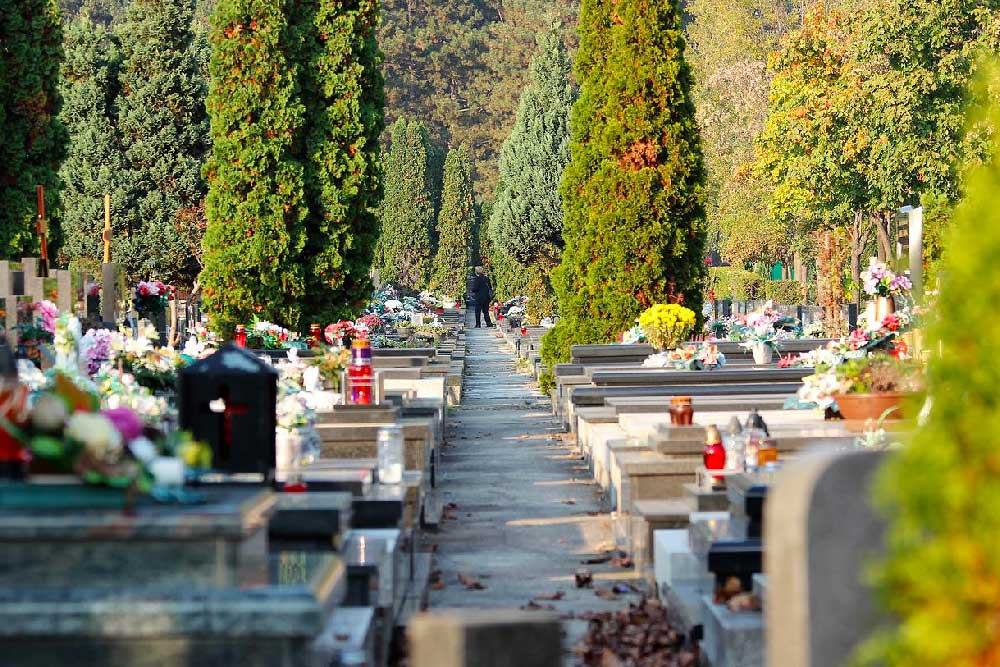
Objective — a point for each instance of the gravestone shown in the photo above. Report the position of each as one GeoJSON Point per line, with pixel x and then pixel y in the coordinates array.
{"type": "Point", "coordinates": [821, 531]}
{"type": "Point", "coordinates": [229, 401]}
{"type": "Point", "coordinates": [485, 638]}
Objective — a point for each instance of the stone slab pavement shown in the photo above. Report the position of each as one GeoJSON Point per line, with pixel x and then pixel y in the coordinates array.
{"type": "Point", "coordinates": [524, 511]}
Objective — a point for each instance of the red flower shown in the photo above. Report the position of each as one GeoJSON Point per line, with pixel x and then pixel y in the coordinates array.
{"type": "Point", "coordinates": [891, 322]}
{"type": "Point", "coordinates": [143, 290]}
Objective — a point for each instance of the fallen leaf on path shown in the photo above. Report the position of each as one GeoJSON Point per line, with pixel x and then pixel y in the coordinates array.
{"type": "Point", "coordinates": [596, 560]}
{"type": "Point", "coordinates": [605, 594]}
{"type": "Point", "coordinates": [569, 502]}
{"type": "Point", "coordinates": [534, 606]}
{"type": "Point", "coordinates": [621, 561]}
{"type": "Point", "coordinates": [558, 595]}
{"type": "Point", "coordinates": [470, 583]}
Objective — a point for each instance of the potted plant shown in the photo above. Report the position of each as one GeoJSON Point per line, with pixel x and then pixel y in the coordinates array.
{"type": "Point", "coordinates": [667, 325]}
{"type": "Point", "coordinates": [875, 385]}
{"type": "Point", "coordinates": [884, 289]}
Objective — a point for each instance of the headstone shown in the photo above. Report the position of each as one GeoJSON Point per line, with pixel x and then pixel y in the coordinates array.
{"type": "Point", "coordinates": [109, 292]}
{"type": "Point", "coordinates": [821, 532]}
{"type": "Point", "coordinates": [485, 638]}
{"type": "Point", "coordinates": [229, 401]}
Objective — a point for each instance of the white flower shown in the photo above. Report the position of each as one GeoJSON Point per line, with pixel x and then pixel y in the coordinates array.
{"type": "Point", "coordinates": [100, 438]}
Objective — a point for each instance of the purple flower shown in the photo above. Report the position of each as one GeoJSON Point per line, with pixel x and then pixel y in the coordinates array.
{"type": "Point", "coordinates": [900, 284]}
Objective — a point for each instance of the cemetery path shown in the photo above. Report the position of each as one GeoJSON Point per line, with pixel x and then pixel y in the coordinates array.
{"type": "Point", "coordinates": [522, 513]}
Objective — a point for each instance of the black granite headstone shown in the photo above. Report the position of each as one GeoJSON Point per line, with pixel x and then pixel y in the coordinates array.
{"type": "Point", "coordinates": [229, 400]}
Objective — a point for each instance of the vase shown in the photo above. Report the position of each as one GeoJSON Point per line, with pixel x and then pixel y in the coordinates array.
{"type": "Point", "coordinates": [762, 354]}
{"type": "Point", "coordinates": [878, 308]}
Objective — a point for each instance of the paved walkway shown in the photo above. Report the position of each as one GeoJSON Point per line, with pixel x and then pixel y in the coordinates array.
{"type": "Point", "coordinates": [524, 511]}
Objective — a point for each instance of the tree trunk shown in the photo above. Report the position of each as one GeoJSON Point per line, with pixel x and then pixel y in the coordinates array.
{"type": "Point", "coordinates": [881, 221]}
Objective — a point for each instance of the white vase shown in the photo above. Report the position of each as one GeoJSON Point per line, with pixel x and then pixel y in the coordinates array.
{"type": "Point", "coordinates": [762, 354]}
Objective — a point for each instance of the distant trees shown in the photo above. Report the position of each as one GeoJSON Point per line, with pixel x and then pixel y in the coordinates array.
{"type": "Point", "coordinates": [455, 225]}
{"type": "Point", "coordinates": [404, 252]}
{"type": "Point", "coordinates": [633, 191]}
{"type": "Point", "coordinates": [525, 224]}
{"type": "Point", "coordinates": [135, 111]}
{"type": "Point", "coordinates": [33, 138]}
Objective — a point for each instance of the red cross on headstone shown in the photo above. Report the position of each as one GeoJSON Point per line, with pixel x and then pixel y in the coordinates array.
{"type": "Point", "coordinates": [226, 412]}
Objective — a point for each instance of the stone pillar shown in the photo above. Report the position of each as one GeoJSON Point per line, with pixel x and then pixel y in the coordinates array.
{"type": "Point", "coordinates": [820, 532]}
{"type": "Point", "coordinates": [485, 638]}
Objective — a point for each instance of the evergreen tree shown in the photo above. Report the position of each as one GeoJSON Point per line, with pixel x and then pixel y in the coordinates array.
{"type": "Point", "coordinates": [633, 190]}
{"type": "Point", "coordinates": [340, 86]}
{"type": "Point", "coordinates": [455, 224]}
{"type": "Point", "coordinates": [256, 206]}
{"type": "Point", "coordinates": [528, 215]}
{"type": "Point", "coordinates": [163, 130]}
{"type": "Point", "coordinates": [407, 211]}
{"type": "Point", "coordinates": [33, 139]}
{"type": "Point", "coordinates": [94, 165]}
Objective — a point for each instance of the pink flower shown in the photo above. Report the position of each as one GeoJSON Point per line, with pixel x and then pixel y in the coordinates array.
{"type": "Point", "coordinates": [125, 421]}
{"type": "Point", "coordinates": [48, 311]}
{"type": "Point", "coordinates": [93, 289]}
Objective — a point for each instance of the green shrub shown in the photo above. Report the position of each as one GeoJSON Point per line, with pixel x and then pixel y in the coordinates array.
{"type": "Point", "coordinates": [455, 223]}
{"type": "Point", "coordinates": [633, 191]}
{"type": "Point", "coordinates": [731, 283]}
{"type": "Point", "coordinates": [786, 292]}
{"type": "Point", "coordinates": [941, 492]}
{"type": "Point", "coordinates": [511, 279]}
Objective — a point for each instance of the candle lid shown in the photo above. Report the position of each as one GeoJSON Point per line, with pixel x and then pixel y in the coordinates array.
{"type": "Point", "coordinates": [712, 435]}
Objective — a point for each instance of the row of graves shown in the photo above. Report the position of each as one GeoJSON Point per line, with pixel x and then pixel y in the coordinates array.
{"type": "Point", "coordinates": [259, 501]}
{"type": "Point", "coordinates": [738, 486]}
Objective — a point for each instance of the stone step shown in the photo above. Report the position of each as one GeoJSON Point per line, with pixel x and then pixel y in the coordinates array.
{"type": "Point", "coordinates": [731, 639]}
{"type": "Point", "coordinates": [681, 579]}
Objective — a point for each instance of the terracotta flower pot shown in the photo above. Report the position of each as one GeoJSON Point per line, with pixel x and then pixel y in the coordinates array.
{"type": "Point", "coordinates": [862, 407]}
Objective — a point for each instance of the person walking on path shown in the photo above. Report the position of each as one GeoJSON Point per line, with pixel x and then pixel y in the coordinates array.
{"type": "Point", "coordinates": [482, 290]}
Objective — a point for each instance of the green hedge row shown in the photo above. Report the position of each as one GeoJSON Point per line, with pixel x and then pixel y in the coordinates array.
{"type": "Point", "coordinates": [740, 285]}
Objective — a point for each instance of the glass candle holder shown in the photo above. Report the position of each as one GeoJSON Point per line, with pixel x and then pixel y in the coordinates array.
{"type": "Point", "coordinates": [240, 336]}
{"type": "Point", "coordinates": [390, 455]}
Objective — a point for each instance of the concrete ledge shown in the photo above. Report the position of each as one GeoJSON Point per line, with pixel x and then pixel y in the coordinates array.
{"type": "Point", "coordinates": [485, 638]}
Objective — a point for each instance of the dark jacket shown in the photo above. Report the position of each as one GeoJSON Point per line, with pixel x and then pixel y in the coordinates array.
{"type": "Point", "coordinates": [482, 289]}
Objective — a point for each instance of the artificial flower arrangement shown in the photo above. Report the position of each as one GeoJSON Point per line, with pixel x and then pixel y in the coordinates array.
{"type": "Point", "coordinates": [268, 336]}
{"type": "Point", "coordinates": [38, 330]}
{"type": "Point", "coordinates": [433, 331]}
{"type": "Point", "coordinates": [331, 362]}
{"type": "Point", "coordinates": [633, 336]}
{"type": "Point", "coordinates": [370, 322]}
{"type": "Point", "coordinates": [763, 328]}
{"type": "Point", "coordinates": [201, 342]}
{"type": "Point", "coordinates": [879, 280]}
{"type": "Point", "coordinates": [93, 289]}
{"type": "Point", "coordinates": [340, 333]}
{"type": "Point", "coordinates": [64, 425]}
{"type": "Point", "coordinates": [667, 325]}
{"type": "Point", "coordinates": [703, 356]}
{"type": "Point", "coordinates": [152, 367]}
{"type": "Point", "coordinates": [151, 298]}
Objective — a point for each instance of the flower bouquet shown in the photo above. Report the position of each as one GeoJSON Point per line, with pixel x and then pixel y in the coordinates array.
{"type": "Point", "coordinates": [761, 335]}
{"type": "Point", "coordinates": [267, 336]}
{"type": "Point", "coordinates": [340, 333]}
{"type": "Point", "coordinates": [667, 325]}
{"type": "Point", "coordinates": [151, 298]}
{"type": "Point", "coordinates": [705, 356]}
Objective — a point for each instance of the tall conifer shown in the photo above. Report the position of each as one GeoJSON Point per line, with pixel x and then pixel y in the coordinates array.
{"type": "Point", "coordinates": [455, 225]}
{"type": "Point", "coordinates": [163, 130]}
{"type": "Point", "coordinates": [633, 190]}
{"type": "Point", "coordinates": [407, 211]}
{"type": "Point", "coordinates": [32, 139]}
{"type": "Point", "coordinates": [256, 204]}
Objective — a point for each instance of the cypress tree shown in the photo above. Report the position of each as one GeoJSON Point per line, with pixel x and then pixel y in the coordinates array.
{"type": "Point", "coordinates": [407, 211]}
{"type": "Point", "coordinates": [33, 139]}
{"type": "Point", "coordinates": [633, 191]}
{"type": "Point", "coordinates": [163, 129]}
{"type": "Point", "coordinates": [94, 165]}
{"type": "Point", "coordinates": [528, 216]}
{"type": "Point", "coordinates": [455, 224]}
{"type": "Point", "coordinates": [341, 90]}
{"type": "Point", "coordinates": [256, 205]}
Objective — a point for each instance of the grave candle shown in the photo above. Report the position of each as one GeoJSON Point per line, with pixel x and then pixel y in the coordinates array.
{"type": "Point", "coordinates": [315, 339]}
{"type": "Point", "coordinates": [240, 336]}
{"type": "Point", "coordinates": [359, 373]}
{"type": "Point", "coordinates": [714, 455]}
